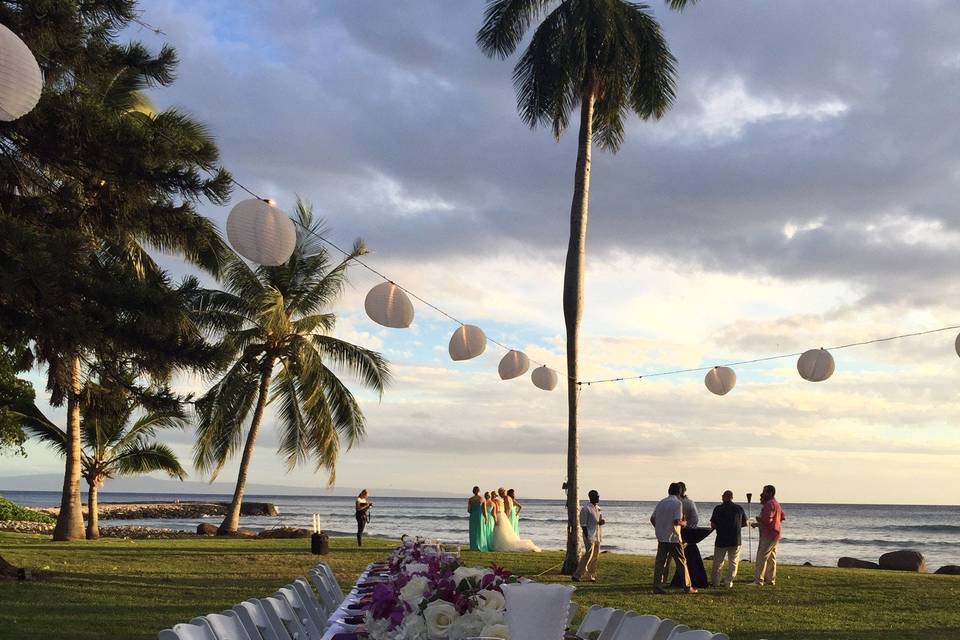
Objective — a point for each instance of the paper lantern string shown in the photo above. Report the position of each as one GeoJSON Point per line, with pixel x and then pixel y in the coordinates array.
{"type": "Point", "coordinates": [765, 358]}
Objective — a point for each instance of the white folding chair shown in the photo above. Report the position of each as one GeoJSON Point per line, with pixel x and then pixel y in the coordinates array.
{"type": "Point", "coordinates": [691, 634]}
{"type": "Point", "coordinates": [721, 636]}
{"type": "Point", "coordinates": [293, 600]}
{"type": "Point", "coordinates": [602, 619]}
{"type": "Point", "coordinates": [675, 628]}
{"type": "Point", "coordinates": [252, 615]}
{"type": "Point", "coordinates": [572, 612]}
{"type": "Point", "coordinates": [637, 627]}
{"type": "Point", "coordinates": [281, 616]}
{"type": "Point", "coordinates": [537, 611]}
{"type": "Point", "coordinates": [309, 598]}
{"type": "Point", "coordinates": [324, 592]}
{"type": "Point", "coordinates": [324, 568]}
{"type": "Point", "coordinates": [193, 631]}
{"type": "Point", "coordinates": [251, 629]}
{"type": "Point", "coordinates": [223, 627]}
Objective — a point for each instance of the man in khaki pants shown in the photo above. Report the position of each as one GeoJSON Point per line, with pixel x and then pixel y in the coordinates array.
{"type": "Point", "coordinates": [591, 520]}
{"type": "Point", "coordinates": [771, 515]}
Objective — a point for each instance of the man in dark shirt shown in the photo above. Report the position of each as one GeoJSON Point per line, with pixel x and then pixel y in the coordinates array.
{"type": "Point", "coordinates": [727, 519]}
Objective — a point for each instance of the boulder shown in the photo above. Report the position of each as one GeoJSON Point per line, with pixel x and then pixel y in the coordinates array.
{"type": "Point", "coordinates": [206, 529]}
{"type": "Point", "coordinates": [285, 532]}
{"type": "Point", "coordinates": [245, 533]}
{"type": "Point", "coordinates": [904, 560]}
{"type": "Point", "coordinates": [856, 563]}
{"type": "Point", "coordinates": [949, 570]}
{"type": "Point", "coordinates": [258, 509]}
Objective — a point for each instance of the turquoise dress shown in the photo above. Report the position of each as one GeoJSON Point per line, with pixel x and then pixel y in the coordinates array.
{"type": "Point", "coordinates": [488, 529]}
{"type": "Point", "coordinates": [515, 520]}
{"type": "Point", "coordinates": [478, 538]}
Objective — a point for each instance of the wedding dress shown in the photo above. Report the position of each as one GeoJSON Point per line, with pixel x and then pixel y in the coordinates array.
{"type": "Point", "coordinates": [504, 538]}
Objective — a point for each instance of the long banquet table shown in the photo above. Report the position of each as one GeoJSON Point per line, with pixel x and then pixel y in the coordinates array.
{"type": "Point", "coordinates": [334, 622]}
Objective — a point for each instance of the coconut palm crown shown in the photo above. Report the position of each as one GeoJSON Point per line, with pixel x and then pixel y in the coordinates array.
{"type": "Point", "coordinates": [607, 58]}
{"type": "Point", "coordinates": [276, 322]}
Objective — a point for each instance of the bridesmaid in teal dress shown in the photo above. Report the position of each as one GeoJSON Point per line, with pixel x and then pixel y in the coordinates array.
{"type": "Point", "coordinates": [475, 508]}
{"type": "Point", "coordinates": [487, 522]}
{"type": "Point", "coordinates": [514, 512]}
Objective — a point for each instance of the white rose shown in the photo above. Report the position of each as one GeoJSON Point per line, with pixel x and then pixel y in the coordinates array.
{"type": "Point", "coordinates": [413, 591]}
{"type": "Point", "coordinates": [416, 567]}
{"type": "Point", "coordinates": [467, 626]}
{"type": "Point", "coordinates": [413, 628]}
{"type": "Point", "coordinates": [490, 599]}
{"type": "Point", "coordinates": [463, 573]}
{"type": "Point", "coordinates": [439, 616]}
{"type": "Point", "coordinates": [496, 631]}
{"type": "Point", "coordinates": [376, 629]}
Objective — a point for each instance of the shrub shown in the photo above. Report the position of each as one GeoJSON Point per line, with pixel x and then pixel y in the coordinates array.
{"type": "Point", "coordinates": [12, 511]}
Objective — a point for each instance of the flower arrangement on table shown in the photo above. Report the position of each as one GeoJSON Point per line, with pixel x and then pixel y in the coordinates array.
{"type": "Point", "coordinates": [432, 596]}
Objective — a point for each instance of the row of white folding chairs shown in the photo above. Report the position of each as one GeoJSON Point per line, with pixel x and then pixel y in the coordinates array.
{"type": "Point", "coordinates": [617, 624]}
{"type": "Point", "coordinates": [294, 612]}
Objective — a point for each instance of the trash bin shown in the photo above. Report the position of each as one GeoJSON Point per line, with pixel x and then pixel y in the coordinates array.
{"type": "Point", "coordinates": [320, 544]}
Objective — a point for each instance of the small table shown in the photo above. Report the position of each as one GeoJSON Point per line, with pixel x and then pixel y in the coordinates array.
{"type": "Point", "coordinates": [698, 573]}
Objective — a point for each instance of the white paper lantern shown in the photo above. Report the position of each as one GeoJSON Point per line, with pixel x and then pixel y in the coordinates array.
{"type": "Point", "coordinates": [815, 365]}
{"type": "Point", "coordinates": [387, 304]}
{"type": "Point", "coordinates": [544, 378]}
{"type": "Point", "coordinates": [261, 233]}
{"type": "Point", "coordinates": [514, 364]}
{"type": "Point", "coordinates": [467, 342]}
{"type": "Point", "coordinates": [720, 380]}
{"type": "Point", "coordinates": [20, 79]}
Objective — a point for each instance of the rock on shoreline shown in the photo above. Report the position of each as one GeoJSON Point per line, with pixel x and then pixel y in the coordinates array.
{"type": "Point", "coordinates": [123, 531]}
{"type": "Point", "coordinates": [172, 510]}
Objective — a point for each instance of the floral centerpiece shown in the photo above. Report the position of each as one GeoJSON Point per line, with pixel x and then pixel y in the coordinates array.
{"type": "Point", "coordinates": [432, 596]}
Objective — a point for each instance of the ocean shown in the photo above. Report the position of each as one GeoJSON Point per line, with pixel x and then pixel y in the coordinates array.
{"type": "Point", "coordinates": [815, 533]}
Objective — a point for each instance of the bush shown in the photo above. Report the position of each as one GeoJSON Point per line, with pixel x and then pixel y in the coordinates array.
{"type": "Point", "coordinates": [12, 511]}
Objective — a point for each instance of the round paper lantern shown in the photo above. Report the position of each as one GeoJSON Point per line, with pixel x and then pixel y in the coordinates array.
{"type": "Point", "coordinates": [956, 345]}
{"type": "Point", "coordinates": [544, 378]}
{"type": "Point", "coordinates": [720, 380]}
{"type": "Point", "coordinates": [815, 365]}
{"type": "Point", "coordinates": [20, 79]}
{"type": "Point", "coordinates": [467, 342]}
{"type": "Point", "coordinates": [388, 305]}
{"type": "Point", "coordinates": [261, 233]}
{"type": "Point", "coordinates": [514, 364]}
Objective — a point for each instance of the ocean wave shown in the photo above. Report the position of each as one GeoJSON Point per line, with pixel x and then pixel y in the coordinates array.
{"type": "Point", "coordinates": [859, 542]}
{"type": "Point", "coordinates": [930, 528]}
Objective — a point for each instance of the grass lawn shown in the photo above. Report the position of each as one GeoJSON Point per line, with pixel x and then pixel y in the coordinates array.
{"type": "Point", "coordinates": [115, 588]}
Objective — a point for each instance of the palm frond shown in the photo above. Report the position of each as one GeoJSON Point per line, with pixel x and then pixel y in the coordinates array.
{"type": "Point", "coordinates": [369, 367]}
{"type": "Point", "coordinates": [145, 457]}
{"type": "Point", "coordinates": [504, 24]}
{"type": "Point", "coordinates": [221, 413]}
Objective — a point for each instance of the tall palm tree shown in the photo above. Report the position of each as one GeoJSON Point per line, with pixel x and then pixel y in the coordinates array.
{"type": "Point", "coordinates": [279, 319]}
{"type": "Point", "coordinates": [607, 57]}
{"type": "Point", "coordinates": [112, 446]}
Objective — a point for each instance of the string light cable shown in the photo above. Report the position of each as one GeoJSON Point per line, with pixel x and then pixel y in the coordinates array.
{"type": "Point", "coordinates": [781, 356]}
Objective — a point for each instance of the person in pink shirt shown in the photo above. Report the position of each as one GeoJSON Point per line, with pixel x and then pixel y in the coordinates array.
{"type": "Point", "coordinates": [771, 515]}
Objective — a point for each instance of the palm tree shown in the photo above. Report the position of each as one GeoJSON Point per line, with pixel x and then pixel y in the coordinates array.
{"type": "Point", "coordinates": [608, 57]}
{"type": "Point", "coordinates": [112, 446]}
{"type": "Point", "coordinates": [278, 318]}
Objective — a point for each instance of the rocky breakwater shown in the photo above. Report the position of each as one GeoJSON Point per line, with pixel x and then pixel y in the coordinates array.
{"type": "Point", "coordinates": [173, 510]}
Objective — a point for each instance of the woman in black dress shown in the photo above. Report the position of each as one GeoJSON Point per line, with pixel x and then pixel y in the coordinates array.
{"type": "Point", "coordinates": [363, 514]}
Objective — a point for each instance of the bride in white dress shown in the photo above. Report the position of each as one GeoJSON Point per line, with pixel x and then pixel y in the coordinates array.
{"type": "Point", "coordinates": [504, 537]}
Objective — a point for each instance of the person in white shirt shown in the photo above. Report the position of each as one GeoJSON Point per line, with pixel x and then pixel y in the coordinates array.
{"type": "Point", "coordinates": [667, 519]}
{"type": "Point", "coordinates": [591, 521]}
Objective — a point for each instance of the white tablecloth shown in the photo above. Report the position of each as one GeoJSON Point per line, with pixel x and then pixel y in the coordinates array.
{"type": "Point", "coordinates": [333, 625]}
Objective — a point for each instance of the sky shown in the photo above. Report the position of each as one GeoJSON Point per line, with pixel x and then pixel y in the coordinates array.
{"type": "Point", "coordinates": [800, 193]}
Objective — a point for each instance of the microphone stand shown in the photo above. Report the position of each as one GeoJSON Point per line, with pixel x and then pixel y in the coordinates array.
{"type": "Point", "coordinates": [749, 529]}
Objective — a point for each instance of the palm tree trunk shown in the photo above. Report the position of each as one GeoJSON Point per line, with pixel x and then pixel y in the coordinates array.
{"type": "Point", "coordinates": [572, 313]}
{"type": "Point", "coordinates": [70, 519]}
{"type": "Point", "coordinates": [93, 509]}
{"type": "Point", "coordinates": [232, 520]}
